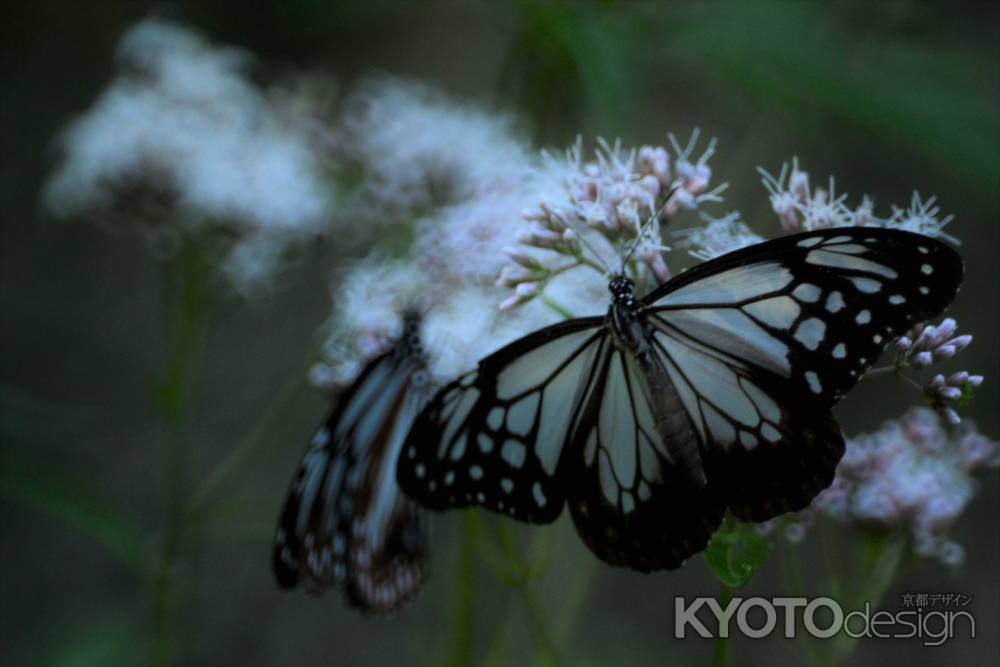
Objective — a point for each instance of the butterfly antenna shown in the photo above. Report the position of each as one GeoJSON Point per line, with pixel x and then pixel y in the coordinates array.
{"type": "Point", "coordinates": [645, 227]}
{"type": "Point", "coordinates": [585, 242]}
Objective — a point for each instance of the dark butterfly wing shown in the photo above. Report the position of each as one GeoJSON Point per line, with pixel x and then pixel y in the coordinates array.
{"type": "Point", "coordinates": [344, 523]}
{"type": "Point", "coordinates": [628, 494]}
{"type": "Point", "coordinates": [494, 436]}
{"type": "Point", "coordinates": [762, 342]}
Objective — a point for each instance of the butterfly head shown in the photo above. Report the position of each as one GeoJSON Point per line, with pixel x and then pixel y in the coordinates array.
{"type": "Point", "coordinates": [409, 341]}
{"type": "Point", "coordinates": [622, 288]}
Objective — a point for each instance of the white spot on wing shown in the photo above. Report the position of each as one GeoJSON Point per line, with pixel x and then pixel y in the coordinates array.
{"type": "Point", "coordinates": [864, 317]}
{"type": "Point", "coordinates": [748, 440]}
{"type": "Point", "coordinates": [513, 452]}
{"type": "Point", "coordinates": [521, 415]}
{"type": "Point", "coordinates": [814, 383]}
{"type": "Point", "coordinates": [840, 351]}
{"type": "Point", "coordinates": [839, 261]}
{"type": "Point", "coordinates": [926, 269]}
{"type": "Point", "coordinates": [810, 333]}
{"type": "Point", "coordinates": [834, 302]}
{"type": "Point", "coordinates": [495, 419]}
{"type": "Point", "coordinates": [866, 285]}
{"type": "Point", "coordinates": [765, 404]}
{"type": "Point", "coordinates": [779, 312]}
{"type": "Point", "coordinates": [807, 293]}
{"type": "Point", "coordinates": [737, 284]}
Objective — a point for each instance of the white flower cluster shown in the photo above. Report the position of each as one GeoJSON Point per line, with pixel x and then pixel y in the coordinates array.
{"type": "Point", "coordinates": [604, 209]}
{"type": "Point", "coordinates": [432, 145]}
{"type": "Point", "coordinates": [912, 473]}
{"type": "Point", "coordinates": [418, 150]}
{"type": "Point", "coordinates": [801, 209]}
{"type": "Point", "coordinates": [183, 128]}
{"type": "Point", "coordinates": [718, 237]}
{"type": "Point", "coordinates": [927, 344]}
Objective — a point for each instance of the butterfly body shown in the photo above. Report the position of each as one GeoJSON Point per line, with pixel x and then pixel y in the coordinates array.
{"type": "Point", "coordinates": [711, 393]}
{"type": "Point", "coordinates": [633, 335]}
{"type": "Point", "coordinates": [345, 523]}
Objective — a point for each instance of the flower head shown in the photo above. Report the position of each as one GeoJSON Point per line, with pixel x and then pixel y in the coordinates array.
{"type": "Point", "coordinates": [184, 133]}
{"type": "Point", "coordinates": [419, 150]}
{"type": "Point", "coordinates": [914, 473]}
{"type": "Point", "coordinates": [719, 236]}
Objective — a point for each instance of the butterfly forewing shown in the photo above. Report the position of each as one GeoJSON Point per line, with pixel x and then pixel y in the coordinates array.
{"type": "Point", "coordinates": [494, 436]}
{"type": "Point", "coordinates": [815, 309]}
{"type": "Point", "coordinates": [345, 524]}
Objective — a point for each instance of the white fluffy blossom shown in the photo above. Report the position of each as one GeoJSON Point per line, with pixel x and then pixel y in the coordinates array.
{"type": "Point", "coordinates": [718, 236]}
{"type": "Point", "coordinates": [183, 128]}
{"type": "Point", "coordinates": [603, 210]}
{"type": "Point", "coordinates": [417, 149]}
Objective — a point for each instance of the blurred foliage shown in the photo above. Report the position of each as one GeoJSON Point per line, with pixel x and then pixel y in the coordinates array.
{"type": "Point", "coordinates": [736, 552]}
{"type": "Point", "coordinates": [889, 88]}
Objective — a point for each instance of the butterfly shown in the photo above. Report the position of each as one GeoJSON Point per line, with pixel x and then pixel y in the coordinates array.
{"type": "Point", "coordinates": [345, 522]}
{"type": "Point", "coordinates": [711, 393]}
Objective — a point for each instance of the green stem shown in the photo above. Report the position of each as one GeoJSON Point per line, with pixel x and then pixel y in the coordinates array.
{"type": "Point", "coordinates": [559, 310]}
{"type": "Point", "coordinates": [539, 624]}
{"type": "Point", "coordinates": [722, 641]}
{"type": "Point", "coordinates": [463, 614]}
{"type": "Point", "coordinates": [188, 306]}
{"type": "Point", "coordinates": [523, 583]}
{"type": "Point", "coordinates": [791, 572]}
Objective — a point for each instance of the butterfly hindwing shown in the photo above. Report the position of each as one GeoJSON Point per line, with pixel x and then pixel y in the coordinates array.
{"type": "Point", "coordinates": [345, 524]}
{"type": "Point", "coordinates": [493, 437]}
{"type": "Point", "coordinates": [631, 501]}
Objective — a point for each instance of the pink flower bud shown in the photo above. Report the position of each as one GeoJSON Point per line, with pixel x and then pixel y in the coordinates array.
{"type": "Point", "coordinates": [510, 302]}
{"type": "Point", "coordinates": [521, 257]}
{"type": "Point", "coordinates": [528, 290]}
{"type": "Point", "coordinates": [950, 393]}
{"type": "Point", "coordinates": [960, 342]}
{"type": "Point", "coordinates": [944, 352]}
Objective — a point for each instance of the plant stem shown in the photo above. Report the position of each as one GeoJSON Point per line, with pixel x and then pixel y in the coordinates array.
{"type": "Point", "coordinates": [722, 640]}
{"type": "Point", "coordinates": [523, 583]}
{"type": "Point", "coordinates": [463, 614]}
{"type": "Point", "coordinates": [187, 310]}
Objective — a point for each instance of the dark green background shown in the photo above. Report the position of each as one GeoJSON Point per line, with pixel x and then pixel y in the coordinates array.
{"type": "Point", "coordinates": [888, 96]}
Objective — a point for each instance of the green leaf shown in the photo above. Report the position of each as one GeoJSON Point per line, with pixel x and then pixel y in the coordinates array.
{"type": "Point", "coordinates": [735, 553]}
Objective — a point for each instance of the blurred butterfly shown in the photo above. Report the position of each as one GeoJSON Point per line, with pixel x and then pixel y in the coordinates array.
{"type": "Point", "coordinates": [345, 522]}
{"type": "Point", "coordinates": [712, 392]}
